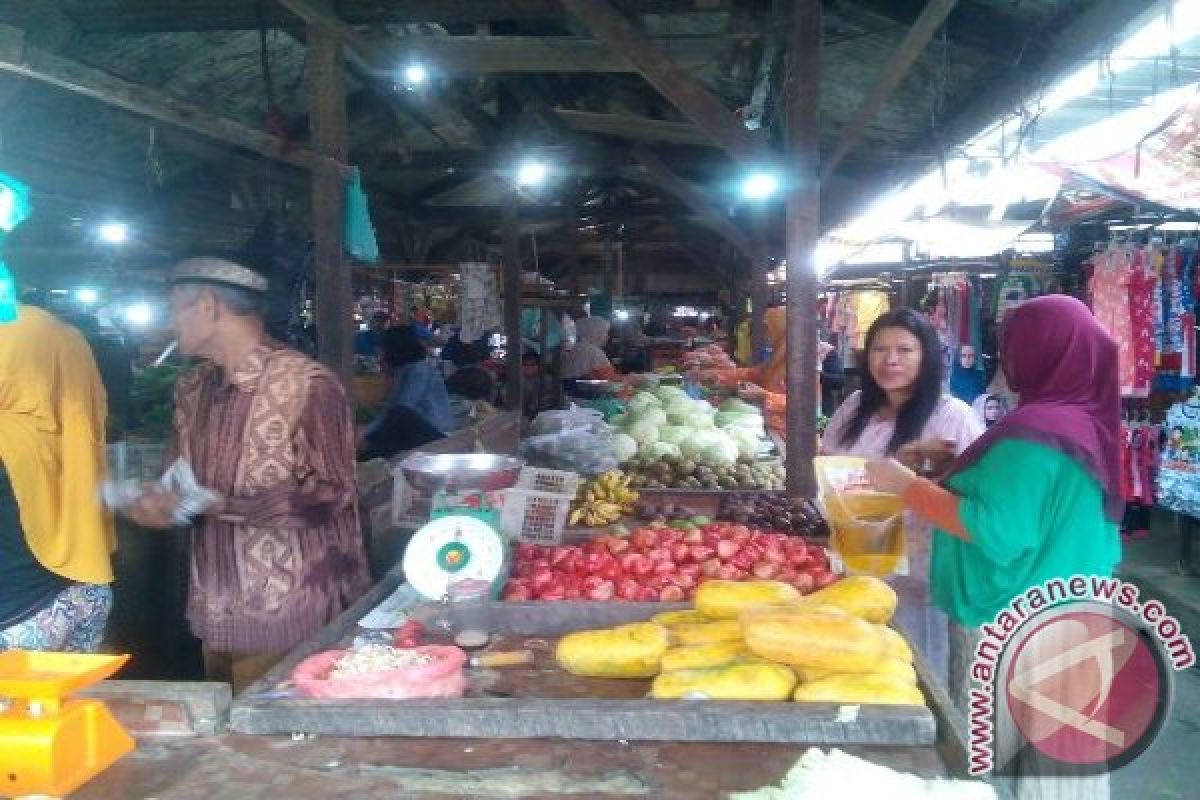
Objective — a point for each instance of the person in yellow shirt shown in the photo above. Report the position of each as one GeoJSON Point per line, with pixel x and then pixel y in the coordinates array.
{"type": "Point", "coordinates": [55, 538]}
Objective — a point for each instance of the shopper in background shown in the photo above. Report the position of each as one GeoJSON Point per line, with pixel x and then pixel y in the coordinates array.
{"type": "Point", "coordinates": [1037, 497]}
{"type": "Point", "coordinates": [472, 394]}
{"type": "Point", "coordinates": [270, 432]}
{"type": "Point", "coordinates": [55, 539]}
{"type": "Point", "coordinates": [369, 343]}
{"type": "Point", "coordinates": [903, 411]}
{"type": "Point", "coordinates": [587, 359]}
{"type": "Point", "coordinates": [417, 384]}
{"type": "Point", "coordinates": [766, 384]}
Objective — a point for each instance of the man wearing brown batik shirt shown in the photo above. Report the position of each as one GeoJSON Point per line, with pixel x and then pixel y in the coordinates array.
{"type": "Point", "coordinates": [270, 432]}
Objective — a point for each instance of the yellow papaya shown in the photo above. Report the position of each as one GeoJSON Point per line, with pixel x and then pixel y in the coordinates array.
{"type": "Point", "coordinates": [826, 642]}
{"type": "Point", "coordinates": [627, 651]}
{"type": "Point", "coordinates": [864, 596]}
{"type": "Point", "coordinates": [670, 618]}
{"type": "Point", "coordinates": [726, 630]}
{"type": "Point", "coordinates": [860, 689]}
{"type": "Point", "coordinates": [702, 656]}
{"type": "Point", "coordinates": [727, 599]}
{"type": "Point", "coordinates": [736, 682]}
{"type": "Point", "coordinates": [887, 666]}
{"type": "Point", "coordinates": [897, 646]}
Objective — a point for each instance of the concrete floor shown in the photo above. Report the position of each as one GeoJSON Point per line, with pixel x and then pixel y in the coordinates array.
{"type": "Point", "coordinates": [1170, 770]}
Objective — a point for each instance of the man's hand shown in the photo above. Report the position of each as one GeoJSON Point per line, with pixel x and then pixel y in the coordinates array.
{"type": "Point", "coordinates": [928, 457]}
{"type": "Point", "coordinates": [155, 508]}
{"type": "Point", "coordinates": [890, 476]}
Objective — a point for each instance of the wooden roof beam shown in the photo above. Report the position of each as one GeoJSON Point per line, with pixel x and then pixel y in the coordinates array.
{"type": "Point", "coordinates": [19, 58]}
{"type": "Point", "coordinates": [563, 54]}
{"type": "Point", "coordinates": [890, 77]}
{"type": "Point", "coordinates": [685, 92]}
{"type": "Point", "coordinates": [177, 16]}
{"type": "Point", "coordinates": [698, 201]}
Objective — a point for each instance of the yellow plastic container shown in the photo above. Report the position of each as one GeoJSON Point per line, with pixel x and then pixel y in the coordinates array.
{"type": "Point", "coordinates": [51, 744]}
{"type": "Point", "coordinates": [866, 527]}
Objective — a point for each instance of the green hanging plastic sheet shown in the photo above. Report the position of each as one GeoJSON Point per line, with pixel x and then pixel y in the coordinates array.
{"type": "Point", "coordinates": [14, 208]}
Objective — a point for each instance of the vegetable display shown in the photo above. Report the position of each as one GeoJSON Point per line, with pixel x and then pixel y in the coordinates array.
{"type": "Point", "coordinates": [667, 564]}
{"type": "Point", "coordinates": [686, 443]}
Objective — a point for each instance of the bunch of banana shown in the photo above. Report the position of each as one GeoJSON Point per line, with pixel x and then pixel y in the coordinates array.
{"type": "Point", "coordinates": [603, 500]}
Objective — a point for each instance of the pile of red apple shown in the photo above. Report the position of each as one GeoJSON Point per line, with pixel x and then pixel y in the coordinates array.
{"type": "Point", "coordinates": [665, 564]}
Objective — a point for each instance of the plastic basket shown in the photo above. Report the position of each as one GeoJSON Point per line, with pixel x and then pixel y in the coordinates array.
{"type": "Point", "coordinates": [535, 517]}
{"type": "Point", "coordinates": [548, 480]}
{"type": "Point", "coordinates": [411, 508]}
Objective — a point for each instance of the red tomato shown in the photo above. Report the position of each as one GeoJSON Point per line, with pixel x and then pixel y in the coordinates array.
{"type": "Point", "coordinates": [629, 589]}
{"type": "Point", "coordinates": [611, 572]}
{"type": "Point", "coordinates": [701, 553]}
{"type": "Point", "coordinates": [711, 568]}
{"type": "Point", "coordinates": [517, 594]}
{"type": "Point", "coordinates": [787, 573]}
{"type": "Point", "coordinates": [601, 590]}
{"type": "Point", "coordinates": [765, 570]}
{"type": "Point", "coordinates": [543, 578]}
{"type": "Point", "coordinates": [804, 582]}
{"type": "Point", "coordinates": [665, 568]}
{"type": "Point", "coordinates": [694, 537]}
{"type": "Point", "coordinates": [726, 549]}
{"type": "Point", "coordinates": [680, 553]}
{"type": "Point", "coordinates": [775, 553]}
{"type": "Point", "coordinates": [644, 539]}
{"type": "Point", "coordinates": [659, 554]}
{"type": "Point", "coordinates": [684, 581]}
{"type": "Point", "coordinates": [744, 560]}
{"type": "Point", "coordinates": [555, 591]}
{"type": "Point", "coordinates": [728, 572]}
{"type": "Point", "coordinates": [691, 570]}
{"type": "Point", "coordinates": [526, 552]}
{"type": "Point", "coordinates": [671, 594]}
{"type": "Point", "coordinates": [822, 577]}
{"type": "Point", "coordinates": [648, 595]}
{"type": "Point", "coordinates": [574, 593]}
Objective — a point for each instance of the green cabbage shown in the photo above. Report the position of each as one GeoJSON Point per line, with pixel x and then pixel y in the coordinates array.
{"type": "Point", "coordinates": [643, 431]}
{"type": "Point", "coordinates": [674, 434]}
{"type": "Point", "coordinates": [643, 400]}
{"type": "Point", "coordinates": [657, 451]}
{"type": "Point", "coordinates": [721, 451]}
{"type": "Point", "coordinates": [668, 394]}
{"type": "Point", "coordinates": [738, 406]}
{"type": "Point", "coordinates": [625, 447]}
{"type": "Point", "coordinates": [746, 441]}
{"type": "Point", "coordinates": [655, 416]}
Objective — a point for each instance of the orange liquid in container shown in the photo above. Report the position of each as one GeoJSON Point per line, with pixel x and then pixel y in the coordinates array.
{"type": "Point", "coordinates": [867, 531]}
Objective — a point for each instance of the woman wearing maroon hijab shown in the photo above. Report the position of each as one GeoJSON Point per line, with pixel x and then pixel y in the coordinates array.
{"type": "Point", "coordinates": [1035, 498]}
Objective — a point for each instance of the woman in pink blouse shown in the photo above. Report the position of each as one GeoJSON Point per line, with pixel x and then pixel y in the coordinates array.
{"type": "Point", "coordinates": [902, 411]}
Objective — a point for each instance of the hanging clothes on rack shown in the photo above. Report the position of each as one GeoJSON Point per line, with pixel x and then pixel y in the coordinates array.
{"type": "Point", "coordinates": [1110, 298]}
{"type": "Point", "coordinates": [1179, 471]}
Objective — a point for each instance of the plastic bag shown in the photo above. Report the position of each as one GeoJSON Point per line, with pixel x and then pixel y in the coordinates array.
{"type": "Point", "coordinates": [575, 450]}
{"type": "Point", "coordinates": [359, 233]}
{"type": "Point", "coordinates": [866, 526]}
{"type": "Point", "coordinates": [575, 418]}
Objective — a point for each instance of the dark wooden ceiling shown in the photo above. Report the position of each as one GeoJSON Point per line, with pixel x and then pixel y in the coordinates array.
{"type": "Point", "coordinates": [508, 76]}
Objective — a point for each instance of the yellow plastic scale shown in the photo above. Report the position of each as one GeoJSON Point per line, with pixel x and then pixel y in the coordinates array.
{"type": "Point", "coordinates": [51, 744]}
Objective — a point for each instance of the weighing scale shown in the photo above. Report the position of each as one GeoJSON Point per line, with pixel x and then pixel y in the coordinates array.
{"type": "Point", "coordinates": [463, 540]}
{"type": "Point", "coordinates": [51, 744]}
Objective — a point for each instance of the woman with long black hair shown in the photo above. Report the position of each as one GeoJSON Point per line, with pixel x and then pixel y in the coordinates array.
{"type": "Point", "coordinates": [903, 411]}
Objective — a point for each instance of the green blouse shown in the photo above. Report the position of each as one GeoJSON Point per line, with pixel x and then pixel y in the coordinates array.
{"type": "Point", "coordinates": [1033, 514]}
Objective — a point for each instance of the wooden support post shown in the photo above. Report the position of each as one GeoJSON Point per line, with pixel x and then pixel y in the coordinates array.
{"type": "Point", "coordinates": [327, 116]}
{"type": "Point", "coordinates": [510, 230]}
{"type": "Point", "coordinates": [760, 292]}
{"type": "Point", "coordinates": [803, 215]}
